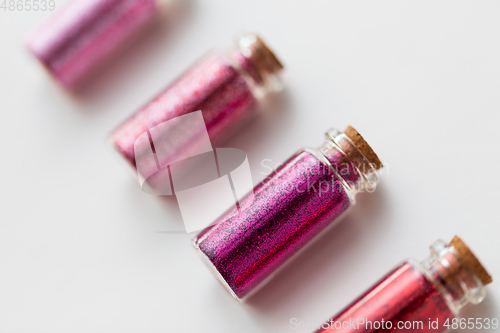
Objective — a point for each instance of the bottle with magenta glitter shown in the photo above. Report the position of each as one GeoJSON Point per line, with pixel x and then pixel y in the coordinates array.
{"type": "Point", "coordinates": [284, 213]}
{"type": "Point", "coordinates": [421, 296]}
{"type": "Point", "coordinates": [225, 86]}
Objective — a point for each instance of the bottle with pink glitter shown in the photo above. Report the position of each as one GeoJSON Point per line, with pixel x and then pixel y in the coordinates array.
{"type": "Point", "coordinates": [225, 86]}
{"type": "Point", "coordinates": [420, 297]}
{"type": "Point", "coordinates": [79, 37]}
{"type": "Point", "coordinates": [305, 196]}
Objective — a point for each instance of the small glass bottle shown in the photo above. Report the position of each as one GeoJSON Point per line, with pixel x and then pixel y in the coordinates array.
{"type": "Point", "coordinates": [225, 86]}
{"type": "Point", "coordinates": [80, 36]}
{"type": "Point", "coordinates": [417, 296]}
{"type": "Point", "coordinates": [286, 211]}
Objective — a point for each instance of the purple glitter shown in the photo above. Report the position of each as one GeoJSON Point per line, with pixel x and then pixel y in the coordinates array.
{"type": "Point", "coordinates": [213, 86]}
{"type": "Point", "coordinates": [80, 36]}
{"type": "Point", "coordinates": [289, 209]}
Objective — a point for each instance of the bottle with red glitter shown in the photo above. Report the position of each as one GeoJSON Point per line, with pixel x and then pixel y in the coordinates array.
{"type": "Point", "coordinates": [307, 194]}
{"type": "Point", "coordinates": [224, 86]}
{"type": "Point", "coordinates": [417, 296]}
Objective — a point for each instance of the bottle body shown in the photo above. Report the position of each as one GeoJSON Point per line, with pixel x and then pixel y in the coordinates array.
{"type": "Point", "coordinates": [404, 297]}
{"type": "Point", "coordinates": [285, 213]}
{"type": "Point", "coordinates": [217, 85]}
{"type": "Point", "coordinates": [79, 37]}
{"type": "Point", "coordinates": [415, 297]}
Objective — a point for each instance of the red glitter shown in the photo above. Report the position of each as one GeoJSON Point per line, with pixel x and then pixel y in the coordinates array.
{"type": "Point", "coordinates": [404, 301]}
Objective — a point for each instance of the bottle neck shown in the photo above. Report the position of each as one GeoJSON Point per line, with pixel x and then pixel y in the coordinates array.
{"type": "Point", "coordinates": [447, 271]}
{"type": "Point", "coordinates": [350, 165]}
{"type": "Point", "coordinates": [258, 64]}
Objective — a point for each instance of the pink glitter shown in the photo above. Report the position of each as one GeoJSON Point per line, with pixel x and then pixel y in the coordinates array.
{"type": "Point", "coordinates": [213, 86]}
{"type": "Point", "coordinates": [80, 36]}
{"type": "Point", "coordinates": [224, 87]}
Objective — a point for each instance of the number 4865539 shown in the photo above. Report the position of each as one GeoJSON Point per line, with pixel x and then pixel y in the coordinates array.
{"type": "Point", "coordinates": [27, 5]}
{"type": "Point", "coordinates": [471, 323]}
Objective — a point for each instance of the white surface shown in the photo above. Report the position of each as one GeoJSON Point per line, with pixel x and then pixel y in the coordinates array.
{"type": "Point", "coordinates": [79, 248]}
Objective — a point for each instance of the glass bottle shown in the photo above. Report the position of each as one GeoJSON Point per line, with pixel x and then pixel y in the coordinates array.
{"type": "Point", "coordinates": [307, 194]}
{"type": "Point", "coordinates": [224, 86]}
{"type": "Point", "coordinates": [417, 296]}
{"type": "Point", "coordinates": [73, 42]}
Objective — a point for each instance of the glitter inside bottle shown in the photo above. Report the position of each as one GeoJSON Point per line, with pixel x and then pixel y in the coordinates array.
{"type": "Point", "coordinates": [226, 88]}
{"type": "Point", "coordinates": [418, 296]}
{"type": "Point", "coordinates": [78, 38]}
{"type": "Point", "coordinates": [287, 210]}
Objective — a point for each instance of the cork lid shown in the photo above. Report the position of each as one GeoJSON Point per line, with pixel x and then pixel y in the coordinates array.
{"type": "Point", "coordinates": [363, 147]}
{"type": "Point", "coordinates": [263, 59]}
{"type": "Point", "coordinates": [469, 260]}
{"type": "Point", "coordinates": [265, 54]}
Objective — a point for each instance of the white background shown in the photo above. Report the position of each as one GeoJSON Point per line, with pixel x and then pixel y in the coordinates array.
{"type": "Point", "coordinates": [79, 244]}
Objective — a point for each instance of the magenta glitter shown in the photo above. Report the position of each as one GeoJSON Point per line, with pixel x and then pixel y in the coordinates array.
{"type": "Point", "coordinates": [81, 35]}
{"type": "Point", "coordinates": [342, 164]}
{"type": "Point", "coordinates": [405, 295]}
{"type": "Point", "coordinates": [288, 210]}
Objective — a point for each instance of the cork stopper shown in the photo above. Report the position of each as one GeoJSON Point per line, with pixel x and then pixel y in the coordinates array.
{"type": "Point", "coordinates": [363, 146]}
{"type": "Point", "coordinates": [261, 56]}
{"type": "Point", "coordinates": [469, 260]}
{"type": "Point", "coordinates": [264, 55]}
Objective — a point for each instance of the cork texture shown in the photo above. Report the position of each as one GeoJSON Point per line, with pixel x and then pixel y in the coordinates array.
{"type": "Point", "coordinates": [267, 54]}
{"type": "Point", "coordinates": [470, 261]}
{"type": "Point", "coordinates": [363, 146]}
